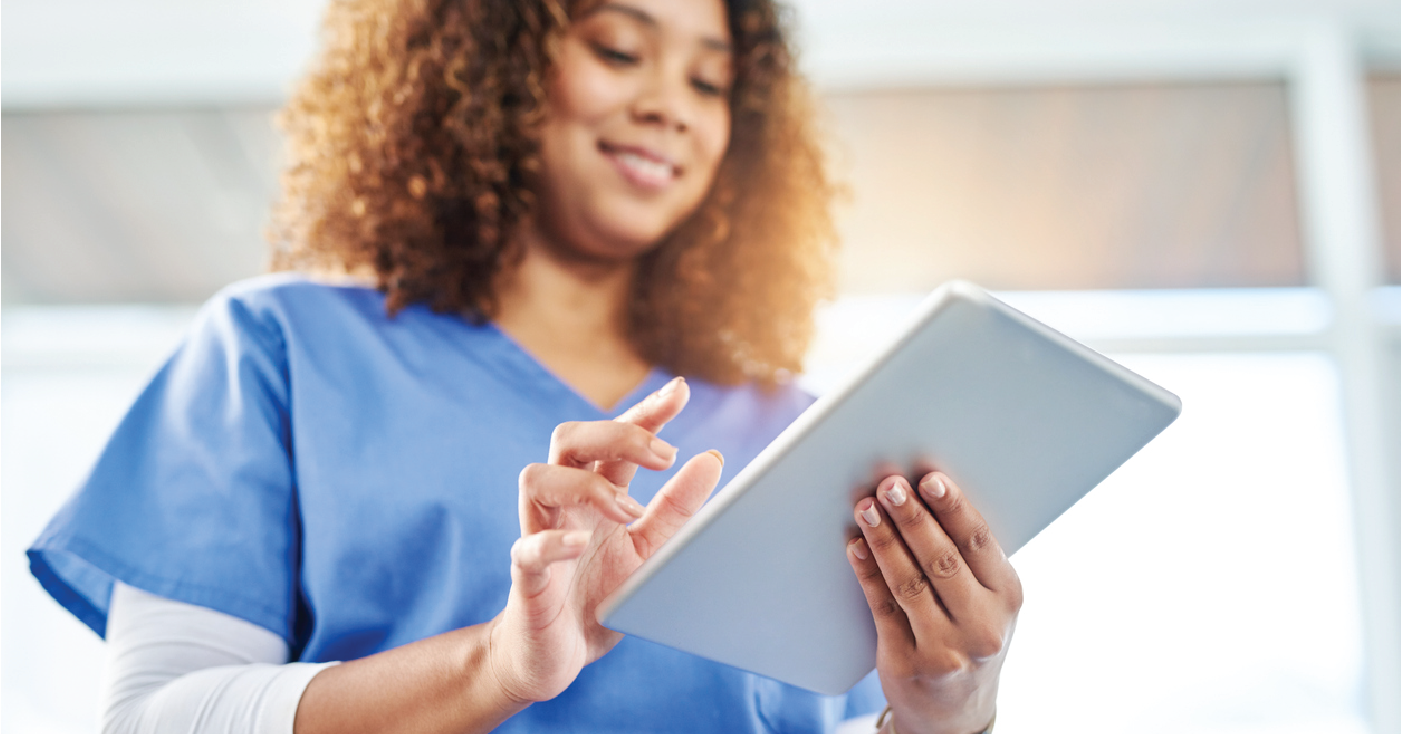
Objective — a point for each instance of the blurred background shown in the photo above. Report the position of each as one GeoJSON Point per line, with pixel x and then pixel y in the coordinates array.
{"type": "Point", "coordinates": [1207, 191]}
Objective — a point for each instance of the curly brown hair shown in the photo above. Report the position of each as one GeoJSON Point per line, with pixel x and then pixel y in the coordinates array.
{"type": "Point", "coordinates": [411, 141]}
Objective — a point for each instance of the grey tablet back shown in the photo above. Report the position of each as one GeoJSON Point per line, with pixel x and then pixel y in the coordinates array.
{"type": "Point", "coordinates": [1026, 421]}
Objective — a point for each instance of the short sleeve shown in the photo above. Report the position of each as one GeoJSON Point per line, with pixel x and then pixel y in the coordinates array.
{"type": "Point", "coordinates": [193, 497]}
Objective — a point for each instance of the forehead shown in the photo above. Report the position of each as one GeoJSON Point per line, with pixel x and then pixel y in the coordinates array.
{"type": "Point", "coordinates": [703, 21]}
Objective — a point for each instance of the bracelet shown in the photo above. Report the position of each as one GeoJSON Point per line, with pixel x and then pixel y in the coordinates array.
{"type": "Point", "coordinates": [885, 716]}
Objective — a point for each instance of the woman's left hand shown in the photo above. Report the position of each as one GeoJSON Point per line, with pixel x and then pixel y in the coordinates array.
{"type": "Point", "coordinates": [945, 601]}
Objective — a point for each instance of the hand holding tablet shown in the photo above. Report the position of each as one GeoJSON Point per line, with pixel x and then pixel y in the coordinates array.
{"type": "Point", "coordinates": [944, 599]}
{"type": "Point", "coordinates": [1021, 418]}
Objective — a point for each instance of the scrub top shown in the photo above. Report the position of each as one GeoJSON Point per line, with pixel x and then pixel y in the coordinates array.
{"type": "Point", "coordinates": [348, 480]}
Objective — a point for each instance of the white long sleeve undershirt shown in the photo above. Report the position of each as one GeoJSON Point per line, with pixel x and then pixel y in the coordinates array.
{"type": "Point", "coordinates": [177, 668]}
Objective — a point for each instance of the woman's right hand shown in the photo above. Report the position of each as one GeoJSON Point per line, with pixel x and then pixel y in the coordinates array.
{"type": "Point", "coordinates": [577, 546]}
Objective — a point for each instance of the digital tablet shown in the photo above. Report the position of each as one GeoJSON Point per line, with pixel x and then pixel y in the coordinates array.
{"type": "Point", "coordinates": [1024, 419]}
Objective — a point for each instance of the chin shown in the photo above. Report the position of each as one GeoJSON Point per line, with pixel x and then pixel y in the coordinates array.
{"type": "Point", "coordinates": [632, 236]}
{"type": "Point", "coordinates": [624, 245]}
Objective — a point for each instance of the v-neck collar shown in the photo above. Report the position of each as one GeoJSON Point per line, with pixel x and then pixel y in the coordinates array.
{"type": "Point", "coordinates": [540, 376]}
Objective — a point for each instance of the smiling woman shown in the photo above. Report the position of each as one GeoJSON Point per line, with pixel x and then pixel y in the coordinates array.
{"type": "Point", "coordinates": [396, 503]}
{"type": "Point", "coordinates": [423, 185]}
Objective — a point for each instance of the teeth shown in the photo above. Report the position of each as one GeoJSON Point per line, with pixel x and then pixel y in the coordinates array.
{"type": "Point", "coordinates": [646, 167]}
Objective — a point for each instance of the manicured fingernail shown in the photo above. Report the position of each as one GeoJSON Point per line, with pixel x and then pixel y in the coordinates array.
{"type": "Point", "coordinates": [895, 494]}
{"type": "Point", "coordinates": [858, 549]}
{"type": "Point", "coordinates": [663, 449]}
{"type": "Point", "coordinates": [933, 487]}
{"type": "Point", "coordinates": [576, 539]}
{"type": "Point", "coordinates": [718, 455]}
{"type": "Point", "coordinates": [871, 516]}
{"type": "Point", "coordinates": [631, 506]}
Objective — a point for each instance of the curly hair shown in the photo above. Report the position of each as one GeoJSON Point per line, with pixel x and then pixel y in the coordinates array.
{"type": "Point", "coordinates": [411, 141]}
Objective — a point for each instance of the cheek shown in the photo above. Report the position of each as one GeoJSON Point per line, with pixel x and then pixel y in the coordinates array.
{"type": "Point", "coordinates": [583, 92]}
{"type": "Point", "coordinates": [713, 141]}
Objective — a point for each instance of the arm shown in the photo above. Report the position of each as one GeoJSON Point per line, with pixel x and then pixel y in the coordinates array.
{"type": "Point", "coordinates": [176, 667]}
{"type": "Point", "coordinates": [581, 536]}
{"type": "Point", "coordinates": [443, 683]}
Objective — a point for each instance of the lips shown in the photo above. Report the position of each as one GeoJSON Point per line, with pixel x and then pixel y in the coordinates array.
{"type": "Point", "coordinates": [641, 166]}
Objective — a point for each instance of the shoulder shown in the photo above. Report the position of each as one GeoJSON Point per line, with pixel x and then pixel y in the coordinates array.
{"type": "Point", "coordinates": [276, 307]}
{"type": "Point", "coordinates": [786, 398]}
{"type": "Point", "coordinates": [278, 295]}
{"type": "Point", "coordinates": [317, 330]}
{"type": "Point", "coordinates": [755, 411]}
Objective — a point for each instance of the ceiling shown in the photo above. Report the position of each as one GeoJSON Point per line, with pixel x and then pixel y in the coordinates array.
{"type": "Point", "coordinates": [139, 159]}
{"type": "Point", "coordinates": [83, 53]}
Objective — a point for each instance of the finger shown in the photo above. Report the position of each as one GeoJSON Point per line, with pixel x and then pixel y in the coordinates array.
{"type": "Point", "coordinates": [532, 556]}
{"type": "Point", "coordinates": [651, 414]}
{"type": "Point", "coordinates": [892, 626]}
{"type": "Point", "coordinates": [907, 582]}
{"type": "Point", "coordinates": [937, 556]}
{"type": "Point", "coordinates": [879, 471]}
{"type": "Point", "coordinates": [580, 444]}
{"type": "Point", "coordinates": [967, 528]}
{"type": "Point", "coordinates": [676, 502]}
{"type": "Point", "coordinates": [656, 410]}
{"type": "Point", "coordinates": [546, 488]}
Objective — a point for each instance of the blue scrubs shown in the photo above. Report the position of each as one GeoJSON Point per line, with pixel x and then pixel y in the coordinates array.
{"type": "Point", "coordinates": [348, 480]}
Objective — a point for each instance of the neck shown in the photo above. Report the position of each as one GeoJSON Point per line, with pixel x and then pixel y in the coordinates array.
{"type": "Point", "coordinates": [568, 298]}
{"type": "Point", "coordinates": [570, 313]}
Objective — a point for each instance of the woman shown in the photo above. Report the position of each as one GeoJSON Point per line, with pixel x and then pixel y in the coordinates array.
{"type": "Point", "coordinates": [560, 210]}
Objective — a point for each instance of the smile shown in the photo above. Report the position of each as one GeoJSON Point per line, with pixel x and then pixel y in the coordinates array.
{"type": "Point", "coordinates": [641, 167]}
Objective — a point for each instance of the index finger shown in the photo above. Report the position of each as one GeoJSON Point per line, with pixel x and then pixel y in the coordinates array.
{"type": "Point", "coordinates": [652, 413]}
{"type": "Point", "coordinates": [656, 410]}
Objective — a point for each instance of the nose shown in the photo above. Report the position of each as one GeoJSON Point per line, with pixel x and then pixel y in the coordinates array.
{"type": "Point", "coordinates": [663, 99]}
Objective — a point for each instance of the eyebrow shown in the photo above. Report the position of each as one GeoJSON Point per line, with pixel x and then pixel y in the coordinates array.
{"type": "Point", "coordinates": [647, 19]}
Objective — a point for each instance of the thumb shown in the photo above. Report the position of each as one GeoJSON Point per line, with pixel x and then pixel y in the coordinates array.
{"type": "Point", "coordinates": [676, 502]}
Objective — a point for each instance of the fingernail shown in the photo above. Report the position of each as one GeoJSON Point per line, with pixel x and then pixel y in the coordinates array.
{"type": "Point", "coordinates": [631, 506]}
{"type": "Point", "coordinates": [576, 539]}
{"type": "Point", "coordinates": [718, 455]}
{"type": "Point", "coordinates": [665, 392]}
{"type": "Point", "coordinates": [663, 449]}
{"type": "Point", "coordinates": [895, 494]}
{"type": "Point", "coordinates": [858, 549]}
{"type": "Point", "coordinates": [871, 516]}
{"type": "Point", "coordinates": [933, 486]}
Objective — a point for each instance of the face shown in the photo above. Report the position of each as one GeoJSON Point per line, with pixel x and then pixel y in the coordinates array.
{"type": "Point", "coordinates": [638, 119]}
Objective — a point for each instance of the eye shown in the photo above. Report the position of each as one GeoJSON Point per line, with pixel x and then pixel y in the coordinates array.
{"type": "Point", "coordinates": [614, 56]}
{"type": "Point", "coordinates": [707, 88]}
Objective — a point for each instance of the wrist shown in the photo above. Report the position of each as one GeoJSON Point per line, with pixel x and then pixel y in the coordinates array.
{"type": "Point", "coordinates": [966, 709]}
{"type": "Point", "coordinates": [885, 724]}
{"type": "Point", "coordinates": [958, 704]}
{"type": "Point", "coordinates": [501, 672]}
